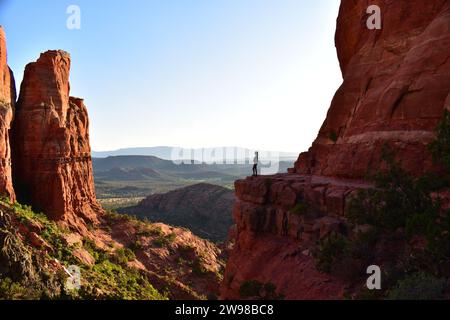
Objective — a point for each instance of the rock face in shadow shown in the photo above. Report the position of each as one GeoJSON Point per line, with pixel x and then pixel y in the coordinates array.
{"type": "Point", "coordinates": [396, 86]}
{"type": "Point", "coordinates": [7, 100]}
{"type": "Point", "coordinates": [205, 209]}
{"type": "Point", "coordinates": [52, 155]}
{"type": "Point", "coordinates": [275, 236]}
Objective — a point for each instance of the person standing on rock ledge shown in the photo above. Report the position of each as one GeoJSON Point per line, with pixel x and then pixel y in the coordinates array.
{"type": "Point", "coordinates": [255, 164]}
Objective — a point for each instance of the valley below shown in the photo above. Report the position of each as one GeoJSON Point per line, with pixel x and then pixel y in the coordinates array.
{"type": "Point", "coordinates": [124, 181]}
{"type": "Point", "coordinates": [199, 197]}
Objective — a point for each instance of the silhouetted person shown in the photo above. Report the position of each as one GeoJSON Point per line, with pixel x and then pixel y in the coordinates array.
{"type": "Point", "coordinates": [255, 164]}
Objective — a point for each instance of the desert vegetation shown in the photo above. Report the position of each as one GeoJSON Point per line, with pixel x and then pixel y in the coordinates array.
{"type": "Point", "coordinates": [401, 225]}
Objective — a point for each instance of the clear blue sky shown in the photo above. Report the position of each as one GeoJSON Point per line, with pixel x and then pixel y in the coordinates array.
{"type": "Point", "coordinates": [194, 73]}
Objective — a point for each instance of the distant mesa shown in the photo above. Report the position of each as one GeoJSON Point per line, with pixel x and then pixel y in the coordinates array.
{"type": "Point", "coordinates": [209, 155]}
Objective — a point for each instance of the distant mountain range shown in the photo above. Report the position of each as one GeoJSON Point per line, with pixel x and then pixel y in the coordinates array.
{"type": "Point", "coordinates": [135, 168]}
{"type": "Point", "coordinates": [132, 162]}
{"type": "Point", "coordinates": [209, 155]}
{"type": "Point", "coordinates": [121, 178]}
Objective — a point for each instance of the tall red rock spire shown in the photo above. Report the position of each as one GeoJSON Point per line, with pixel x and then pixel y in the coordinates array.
{"type": "Point", "coordinates": [7, 100]}
{"type": "Point", "coordinates": [396, 86]}
{"type": "Point", "coordinates": [52, 155]}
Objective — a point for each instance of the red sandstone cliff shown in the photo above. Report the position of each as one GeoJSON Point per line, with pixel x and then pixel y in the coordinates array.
{"type": "Point", "coordinates": [396, 86]}
{"type": "Point", "coordinates": [52, 155]}
{"type": "Point", "coordinates": [7, 100]}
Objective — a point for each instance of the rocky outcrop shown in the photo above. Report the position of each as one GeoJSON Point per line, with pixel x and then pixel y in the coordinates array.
{"type": "Point", "coordinates": [7, 100]}
{"type": "Point", "coordinates": [175, 260]}
{"type": "Point", "coordinates": [279, 221]}
{"type": "Point", "coordinates": [52, 155]}
{"type": "Point", "coordinates": [396, 86]}
{"type": "Point", "coordinates": [205, 209]}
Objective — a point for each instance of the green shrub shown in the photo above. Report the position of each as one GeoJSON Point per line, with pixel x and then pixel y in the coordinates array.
{"type": "Point", "coordinates": [164, 240]}
{"type": "Point", "coordinates": [250, 289]}
{"type": "Point", "coordinates": [151, 231]}
{"type": "Point", "coordinates": [10, 290]}
{"type": "Point", "coordinates": [418, 286]}
{"type": "Point", "coordinates": [136, 246]}
{"type": "Point", "coordinates": [115, 217]}
{"type": "Point", "coordinates": [199, 268]}
{"type": "Point", "coordinates": [329, 250]}
{"type": "Point", "coordinates": [400, 202]}
{"type": "Point", "coordinates": [395, 198]}
{"type": "Point", "coordinates": [438, 240]}
{"type": "Point", "coordinates": [366, 294]}
{"type": "Point", "coordinates": [112, 281]}
{"type": "Point", "coordinates": [24, 273]}
{"type": "Point", "coordinates": [440, 147]}
{"type": "Point", "coordinates": [300, 209]}
{"type": "Point", "coordinates": [23, 269]}
{"type": "Point", "coordinates": [97, 254]}
{"type": "Point", "coordinates": [256, 290]}
{"type": "Point", "coordinates": [124, 255]}
{"type": "Point", "coordinates": [431, 181]}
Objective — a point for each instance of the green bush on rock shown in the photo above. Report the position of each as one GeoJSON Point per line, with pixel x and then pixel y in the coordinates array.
{"type": "Point", "coordinates": [254, 289]}
{"type": "Point", "coordinates": [399, 207]}
{"type": "Point", "coordinates": [24, 272]}
{"type": "Point", "coordinates": [418, 286]}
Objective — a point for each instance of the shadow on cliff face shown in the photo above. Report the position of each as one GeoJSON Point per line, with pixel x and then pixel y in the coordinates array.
{"type": "Point", "coordinates": [23, 193]}
{"type": "Point", "coordinates": [22, 190]}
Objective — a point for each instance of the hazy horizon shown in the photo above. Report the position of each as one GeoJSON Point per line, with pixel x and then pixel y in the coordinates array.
{"type": "Point", "coordinates": [253, 73]}
{"type": "Point", "coordinates": [229, 155]}
{"type": "Point", "coordinates": [177, 146]}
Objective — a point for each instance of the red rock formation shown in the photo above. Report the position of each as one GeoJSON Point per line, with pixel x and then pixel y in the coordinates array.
{"type": "Point", "coordinates": [275, 238]}
{"type": "Point", "coordinates": [52, 155]}
{"type": "Point", "coordinates": [396, 86]}
{"type": "Point", "coordinates": [187, 267]}
{"type": "Point", "coordinates": [7, 100]}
